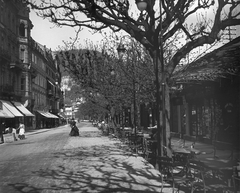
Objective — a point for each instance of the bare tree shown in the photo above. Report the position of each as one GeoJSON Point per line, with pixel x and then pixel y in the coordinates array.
{"type": "Point", "coordinates": [117, 81]}
{"type": "Point", "coordinates": [154, 28]}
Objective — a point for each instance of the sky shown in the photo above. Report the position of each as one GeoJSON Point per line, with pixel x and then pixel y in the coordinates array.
{"type": "Point", "coordinates": [52, 36]}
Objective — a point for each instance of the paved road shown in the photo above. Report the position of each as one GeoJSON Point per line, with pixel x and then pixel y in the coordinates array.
{"type": "Point", "coordinates": [52, 161]}
{"type": "Point", "coordinates": [20, 160]}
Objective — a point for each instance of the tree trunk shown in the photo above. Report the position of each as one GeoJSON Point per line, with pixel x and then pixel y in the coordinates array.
{"type": "Point", "coordinates": [167, 120]}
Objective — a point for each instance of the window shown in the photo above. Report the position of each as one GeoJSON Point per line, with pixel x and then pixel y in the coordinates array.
{"type": "Point", "coordinates": [22, 54]}
{"type": "Point", "coordinates": [22, 83]}
{"type": "Point", "coordinates": [22, 29]}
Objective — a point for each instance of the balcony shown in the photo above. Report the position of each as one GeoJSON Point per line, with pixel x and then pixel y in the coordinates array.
{"type": "Point", "coordinates": [57, 96]}
{"type": "Point", "coordinates": [50, 93]}
{"type": "Point", "coordinates": [33, 73]}
{"type": "Point", "coordinates": [16, 66]}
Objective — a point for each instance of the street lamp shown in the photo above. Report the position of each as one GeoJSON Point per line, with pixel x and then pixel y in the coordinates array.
{"type": "Point", "coordinates": [121, 50]}
{"type": "Point", "coordinates": [142, 5]}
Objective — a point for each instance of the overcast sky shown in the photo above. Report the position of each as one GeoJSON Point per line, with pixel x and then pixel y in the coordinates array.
{"type": "Point", "coordinates": [47, 34]}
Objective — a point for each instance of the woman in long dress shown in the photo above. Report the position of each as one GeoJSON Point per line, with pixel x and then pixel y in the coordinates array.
{"type": "Point", "coordinates": [74, 131]}
{"type": "Point", "coordinates": [21, 128]}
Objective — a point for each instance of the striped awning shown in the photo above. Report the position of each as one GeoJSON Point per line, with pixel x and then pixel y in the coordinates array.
{"type": "Point", "coordinates": [11, 108]}
{"type": "Point", "coordinates": [52, 116]}
{"type": "Point", "coordinates": [48, 115]}
{"type": "Point", "coordinates": [4, 112]}
{"type": "Point", "coordinates": [23, 109]}
{"type": "Point", "coordinates": [43, 113]}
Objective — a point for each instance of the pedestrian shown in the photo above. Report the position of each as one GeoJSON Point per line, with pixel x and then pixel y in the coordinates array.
{"type": "Point", "coordinates": [74, 131]}
{"type": "Point", "coordinates": [13, 131]}
{"type": "Point", "coordinates": [21, 129]}
{"type": "Point", "coordinates": [2, 129]}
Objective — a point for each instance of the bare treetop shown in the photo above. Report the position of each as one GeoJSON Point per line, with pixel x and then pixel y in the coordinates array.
{"type": "Point", "coordinates": [146, 26]}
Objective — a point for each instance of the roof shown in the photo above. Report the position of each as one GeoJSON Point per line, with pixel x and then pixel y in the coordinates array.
{"type": "Point", "coordinates": [220, 63]}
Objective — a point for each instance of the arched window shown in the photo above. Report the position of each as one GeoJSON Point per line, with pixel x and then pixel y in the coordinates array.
{"type": "Point", "coordinates": [22, 29]}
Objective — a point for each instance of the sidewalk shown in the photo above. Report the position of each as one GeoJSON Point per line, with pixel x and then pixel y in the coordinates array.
{"type": "Point", "coordinates": [102, 165]}
{"type": "Point", "coordinates": [92, 163]}
{"type": "Point", "coordinates": [8, 138]}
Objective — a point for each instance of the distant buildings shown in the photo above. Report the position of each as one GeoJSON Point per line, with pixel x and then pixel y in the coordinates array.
{"type": "Point", "coordinates": [30, 77]}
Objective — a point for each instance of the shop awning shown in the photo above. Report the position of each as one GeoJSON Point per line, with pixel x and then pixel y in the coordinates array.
{"type": "Point", "coordinates": [52, 116]}
{"type": "Point", "coordinates": [43, 113]}
{"type": "Point", "coordinates": [61, 116]}
{"type": "Point", "coordinates": [24, 110]}
{"type": "Point", "coordinates": [4, 112]}
{"type": "Point", "coordinates": [48, 115]}
{"type": "Point", "coordinates": [223, 62]}
{"type": "Point", "coordinates": [11, 108]}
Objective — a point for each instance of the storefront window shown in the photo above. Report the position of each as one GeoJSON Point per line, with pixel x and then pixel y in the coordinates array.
{"type": "Point", "coordinates": [205, 119]}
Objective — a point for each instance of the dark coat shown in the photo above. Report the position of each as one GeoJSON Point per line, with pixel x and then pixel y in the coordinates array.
{"type": "Point", "coordinates": [74, 131]}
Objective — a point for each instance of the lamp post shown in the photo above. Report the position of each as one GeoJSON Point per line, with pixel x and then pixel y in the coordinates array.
{"type": "Point", "coordinates": [121, 50]}
{"type": "Point", "coordinates": [142, 5]}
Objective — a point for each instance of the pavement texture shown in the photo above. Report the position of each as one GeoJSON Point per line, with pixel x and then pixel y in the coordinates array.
{"type": "Point", "coordinates": [91, 163]}
{"type": "Point", "coordinates": [99, 164]}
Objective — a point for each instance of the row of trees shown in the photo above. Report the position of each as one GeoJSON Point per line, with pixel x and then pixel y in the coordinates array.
{"type": "Point", "coordinates": [157, 26]}
{"type": "Point", "coordinates": [106, 81]}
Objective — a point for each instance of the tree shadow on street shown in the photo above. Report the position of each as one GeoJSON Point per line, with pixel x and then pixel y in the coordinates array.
{"type": "Point", "coordinates": [92, 169]}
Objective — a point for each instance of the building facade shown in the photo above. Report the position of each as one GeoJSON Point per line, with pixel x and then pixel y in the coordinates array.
{"type": "Point", "coordinates": [207, 105]}
{"type": "Point", "coordinates": [26, 70]}
{"type": "Point", "coordinates": [46, 92]}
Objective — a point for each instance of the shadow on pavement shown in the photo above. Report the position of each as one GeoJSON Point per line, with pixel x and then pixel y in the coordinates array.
{"type": "Point", "coordinates": [23, 187]}
{"type": "Point", "coordinates": [102, 169]}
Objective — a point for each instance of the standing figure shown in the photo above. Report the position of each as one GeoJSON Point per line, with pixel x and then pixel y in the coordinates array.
{"type": "Point", "coordinates": [74, 131]}
{"type": "Point", "coordinates": [2, 129]}
{"type": "Point", "coordinates": [21, 129]}
{"type": "Point", "coordinates": [13, 131]}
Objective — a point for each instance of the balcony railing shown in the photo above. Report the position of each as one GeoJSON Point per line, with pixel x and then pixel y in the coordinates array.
{"type": "Point", "coordinates": [16, 66]}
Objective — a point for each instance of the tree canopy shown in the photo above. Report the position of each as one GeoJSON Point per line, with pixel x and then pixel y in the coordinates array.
{"type": "Point", "coordinates": [176, 18]}
{"type": "Point", "coordinates": [106, 80]}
